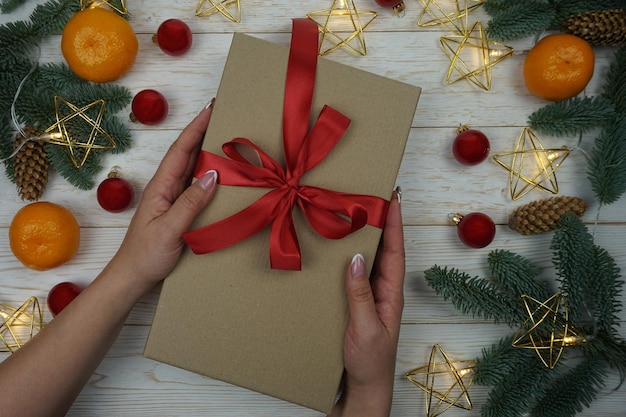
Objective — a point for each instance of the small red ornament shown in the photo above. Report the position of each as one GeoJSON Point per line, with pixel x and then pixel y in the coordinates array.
{"type": "Point", "coordinates": [61, 295]}
{"type": "Point", "coordinates": [475, 230]}
{"type": "Point", "coordinates": [470, 147]}
{"type": "Point", "coordinates": [149, 107]}
{"type": "Point", "coordinates": [396, 5]}
{"type": "Point", "coordinates": [115, 194]}
{"type": "Point", "coordinates": [173, 37]}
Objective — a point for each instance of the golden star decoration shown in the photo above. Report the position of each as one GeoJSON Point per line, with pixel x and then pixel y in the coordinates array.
{"type": "Point", "coordinates": [445, 381]}
{"type": "Point", "coordinates": [19, 325]}
{"type": "Point", "coordinates": [122, 10]}
{"type": "Point", "coordinates": [539, 173]}
{"type": "Point", "coordinates": [211, 7]}
{"type": "Point", "coordinates": [547, 329]}
{"type": "Point", "coordinates": [342, 17]}
{"type": "Point", "coordinates": [64, 131]}
{"type": "Point", "coordinates": [472, 56]}
{"type": "Point", "coordinates": [453, 16]}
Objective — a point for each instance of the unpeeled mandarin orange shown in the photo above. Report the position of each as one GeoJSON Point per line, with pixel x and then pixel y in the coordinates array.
{"type": "Point", "coordinates": [559, 67]}
{"type": "Point", "coordinates": [44, 235]}
{"type": "Point", "coordinates": [99, 45]}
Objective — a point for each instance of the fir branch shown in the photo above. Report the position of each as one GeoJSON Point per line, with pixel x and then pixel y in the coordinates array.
{"type": "Point", "coordinates": [615, 82]}
{"type": "Point", "coordinates": [604, 298]}
{"type": "Point", "coordinates": [520, 20]}
{"type": "Point", "coordinates": [119, 132]}
{"type": "Point", "coordinates": [60, 78]}
{"type": "Point", "coordinates": [499, 361]}
{"type": "Point", "coordinates": [82, 178]}
{"type": "Point", "coordinates": [7, 6]}
{"type": "Point", "coordinates": [517, 274]}
{"type": "Point", "coordinates": [475, 296]}
{"type": "Point", "coordinates": [572, 391]}
{"type": "Point", "coordinates": [607, 162]}
{"type": "Point", "coordinates": [519, 391]}
{"type": "Point", "coordinates": [572, 116]}
{"type": "Point", "coordinates": [573, 257]}
{"type": "Point", "coordinates": [52, 16]}
{"type": "Point", "coordinates": [17, 39]}
{"type": "Point", "coordinates": [608, 347]}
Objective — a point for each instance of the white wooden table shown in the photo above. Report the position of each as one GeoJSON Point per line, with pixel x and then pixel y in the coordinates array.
{"type": "Point", "coordinates": [433, 183]}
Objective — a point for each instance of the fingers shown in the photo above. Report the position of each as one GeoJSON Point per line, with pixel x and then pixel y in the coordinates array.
{"type": "Point", "coordinates": [179, 160]}
{"type": "Point", "coordinates": [190, 203]}
{"type": "Point", "coordinates": [360, 297]}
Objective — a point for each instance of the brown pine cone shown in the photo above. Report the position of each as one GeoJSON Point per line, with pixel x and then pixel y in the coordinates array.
{"type": "Point", "coordinates": [600, 28]}
{"type": "Point", "coordinates": [31, 167]}
{"type": "Point", "coordinates": [543, 215]}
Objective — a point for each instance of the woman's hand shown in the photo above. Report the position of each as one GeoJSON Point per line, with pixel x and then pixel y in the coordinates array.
{"type": "Point", "coordinates": [371, 339]}
{"type": "Point", "coordinates": [153, 242]}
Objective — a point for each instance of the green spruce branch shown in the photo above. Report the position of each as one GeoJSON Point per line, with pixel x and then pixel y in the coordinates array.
{"type": "Point", "coordinates": [7, 6]}
{"type": "Point", "coordinates": [572, 116]}
{"type": "Point", "coordinates": [520, 384]}
{"type": "Point", "coordinates": [511, 19]}
{"type": "Point", "coordinates": [19, 42]}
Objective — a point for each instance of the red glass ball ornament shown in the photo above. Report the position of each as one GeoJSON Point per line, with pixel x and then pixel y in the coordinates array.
{"type": "Point", "coordinates": [149, 107]}
{"type": "Point", "coordinates": [61, 295]}
{"type": "Point", "coordinates": [475, 230]}
{"type": "Point", "coordinates": [396, 5]}
{"type": "Point", "coordinates": [115, 194]}
{"type": "Point", "coordinates": [470, 147]}
{"type": "Point", "coordinates": [173, 37]}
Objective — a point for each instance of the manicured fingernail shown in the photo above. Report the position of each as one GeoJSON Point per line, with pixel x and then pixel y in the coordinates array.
{"type": "Point", "coordinates": [358, 265]}
{"type": "Point", "coordinates": [398, 191]}
{"type": "Point", "coordinates": [209, 104]}
{"type": "Point", "coordinates": [208, 180]}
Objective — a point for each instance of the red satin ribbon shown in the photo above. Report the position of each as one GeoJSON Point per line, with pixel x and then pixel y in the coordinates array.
{"type": "Point", "coordinates": [332, 214]}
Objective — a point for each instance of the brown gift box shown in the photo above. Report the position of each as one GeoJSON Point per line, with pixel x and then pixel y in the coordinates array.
{"type": "Point", "coordinates": [227, 314]}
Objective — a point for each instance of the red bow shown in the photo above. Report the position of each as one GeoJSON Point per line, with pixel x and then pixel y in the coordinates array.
{"type": "Point", "coordinates": [327, 211]}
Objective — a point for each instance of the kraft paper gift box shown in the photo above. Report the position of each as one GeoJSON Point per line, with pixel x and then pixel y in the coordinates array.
{"type": "Point", "coordinates": [229, 315]}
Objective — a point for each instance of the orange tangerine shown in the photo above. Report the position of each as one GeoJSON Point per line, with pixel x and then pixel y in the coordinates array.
{"type": "Point", "coordinates": [99, 45]}
{"type": "Point", "coordinates": [558, 67]}
{"type": "Point", "coordinates": [43, 235]}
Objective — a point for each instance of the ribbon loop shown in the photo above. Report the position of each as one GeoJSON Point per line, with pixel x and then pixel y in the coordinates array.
{"type": "Point", "coordinates": [332, 214]}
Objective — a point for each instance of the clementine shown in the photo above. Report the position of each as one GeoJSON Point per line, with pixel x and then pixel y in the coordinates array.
{"type": "Point", "coordinates": [558, 67]}
{"type": "Point", "coordinates": [44, 235]}
{"type": "Point", "coordinates": [99, 45]}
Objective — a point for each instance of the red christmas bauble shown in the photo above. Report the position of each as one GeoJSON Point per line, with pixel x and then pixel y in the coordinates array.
{"type": "Point", "coordinates": [149, 107]}
{"type": "Point", "coordinates": [470, 147]}
{"type": "Point", "coordinates": [115, 194]}
{"type": "Point", "coordinates": [476, 230]}
{"type": "Point", "coordinates": [396, 5]}
{"type": "Point", "coordinates": [61, 295]}
{"type": "Point", "coordinates": [174, 37]}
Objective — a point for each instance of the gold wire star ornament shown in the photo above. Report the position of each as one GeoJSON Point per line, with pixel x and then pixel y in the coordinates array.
{"type": "Point", "coordinates": [547, 329]}
{"type": "Point", "coordinates": [453, 15]}
{"type": "Point", "coordinates": [19, 325]}
{"type": "Point", "coordinates": [211, 7]}
{"type": "Point", "coordinates": [540, 172]}
{"type": "Point", "coordinates": [122, 10]}
{"type": "Point", "coordinates": [445, 381]}
{"type": "Point", "coordinates": [70, 127]}
{"type": "Point", "coordinates": [342, 17]}
{"type": "Point", "coordinates": [472, 56]}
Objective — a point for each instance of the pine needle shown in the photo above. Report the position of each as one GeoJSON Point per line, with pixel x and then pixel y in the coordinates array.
{"type": "Point", "coordinates": [475, 296]}
{"type": "Point", "coordinates": [499, 361]}
{"type": "Point", "coordinates": [572, 116]}
{"type": "Point", "coordinates": [607, 163]}
{"type": "Point", "coordinates": [572, 391]}
{"type": "Point", "coordinates": [517, 274]}
{"type": "Point", "coordinates": [520, 20]}
{"type": "Point", "coordinates": [574, 259]}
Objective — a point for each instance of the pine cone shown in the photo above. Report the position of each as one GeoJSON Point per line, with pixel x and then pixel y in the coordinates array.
{"type": "Point", "coordinates": [543, 215]}
{"type": "Point", "coordinates": [31, 167]}
{"type": "Point", "coordinates": [600, 28]}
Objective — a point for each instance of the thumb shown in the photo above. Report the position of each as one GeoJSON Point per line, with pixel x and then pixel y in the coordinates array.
{"type": "Point", "coordinates": [192, 201]}
{"type": "Point", "coordinates": [360, 295]}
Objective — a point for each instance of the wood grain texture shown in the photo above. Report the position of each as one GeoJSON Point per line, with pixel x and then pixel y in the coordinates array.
{"type": "Point", "coordinates": [433, 183]}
